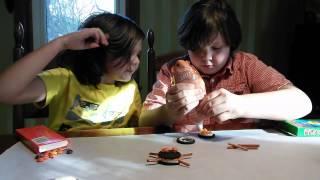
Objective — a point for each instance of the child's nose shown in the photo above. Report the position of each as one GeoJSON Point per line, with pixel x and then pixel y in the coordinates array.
{"type": "Point", "coordinates": [207, 54]}
{"type": "Point", "coordinates": [135, 62]}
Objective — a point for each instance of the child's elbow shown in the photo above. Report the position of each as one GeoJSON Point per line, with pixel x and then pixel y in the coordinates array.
{"type": "Point", "coordinates": [142, 119]}
{"type": "Point", "coordinates": [306, 105]}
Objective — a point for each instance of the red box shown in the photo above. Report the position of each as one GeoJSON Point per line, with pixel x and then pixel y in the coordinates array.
{"type": "Point", "coordinates": [41, 138]}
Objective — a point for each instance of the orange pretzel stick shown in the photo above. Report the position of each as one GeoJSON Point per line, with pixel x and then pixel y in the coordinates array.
{"type": "Point", "coordinates": [250, 145]}
{"type": "Point", "coordinates": [188, 154]}
{"type": "Point", "coordinates": [153, 156]}
{"type": "Point", "coordinates": [238, 146]}
{"type": "Point", "coordinates": [231, 147]}
{"type": "Point", "coordinates": [249, 148]}
{"type": "Point", "coordinates": [151, 164]}
{"type": "Point", "coordinates": [152, 160]}
{"type": "Point", "coordinates": [184, 163]}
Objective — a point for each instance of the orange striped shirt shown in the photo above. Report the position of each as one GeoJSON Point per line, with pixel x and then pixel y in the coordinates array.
{"type": "Point", "coordinates": [243, 74]}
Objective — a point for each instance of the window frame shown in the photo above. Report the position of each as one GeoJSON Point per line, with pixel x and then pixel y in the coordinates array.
{"type": "Point", "coordinates": [39, 20]}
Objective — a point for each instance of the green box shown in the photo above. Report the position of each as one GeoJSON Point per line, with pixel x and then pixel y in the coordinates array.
{"type": "Point", "coordinates": [302, 127]}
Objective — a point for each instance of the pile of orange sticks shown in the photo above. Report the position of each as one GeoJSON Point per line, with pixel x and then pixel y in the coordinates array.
{"type": "Point", "coordinates": [244, 147]}
{"type": "Point", "coordinates": [41, 157]}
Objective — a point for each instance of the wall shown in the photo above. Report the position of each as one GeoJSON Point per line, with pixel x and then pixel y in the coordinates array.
{"type": "Point", "coordinates": [6, 46]}
{"type": "Point", "coordinates": [268, 28]}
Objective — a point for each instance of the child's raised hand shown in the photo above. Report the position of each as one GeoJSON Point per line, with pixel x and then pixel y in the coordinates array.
{"type": "Point", "coordinates": [221, 104]}
{"type": "Point", "coordinates": [182, 98]}
{"type": "Point", "coordinates": [84, 39]}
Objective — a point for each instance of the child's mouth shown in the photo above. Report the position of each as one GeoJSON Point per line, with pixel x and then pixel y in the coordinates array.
{"type": "Point", "coordinates": [130, 71]}
{"type": "Point", "coordinates": [208, 66]}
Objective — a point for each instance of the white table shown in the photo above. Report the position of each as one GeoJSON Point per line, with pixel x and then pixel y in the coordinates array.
{"type": "Point", "coordinates": [124, 157]}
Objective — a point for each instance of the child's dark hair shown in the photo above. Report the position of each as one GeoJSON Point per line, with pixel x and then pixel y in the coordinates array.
{"type": "Point", "coordinates": [89, 65]}
{"type": "Point", "coordinates": [206, 19]}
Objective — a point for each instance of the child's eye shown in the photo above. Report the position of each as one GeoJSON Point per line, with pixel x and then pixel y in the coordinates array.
{"type": "Point", "coordinates": [215, 48]}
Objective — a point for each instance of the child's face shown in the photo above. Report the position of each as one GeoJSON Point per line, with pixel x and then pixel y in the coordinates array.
{"type": "Point", "coordinates": [212, 58]}
{"type": "Point", "coordinates": [117, 71]}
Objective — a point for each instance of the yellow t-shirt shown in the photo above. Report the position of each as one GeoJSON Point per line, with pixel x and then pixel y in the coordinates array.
{"type": "Point", "coordinates": [75, 106]}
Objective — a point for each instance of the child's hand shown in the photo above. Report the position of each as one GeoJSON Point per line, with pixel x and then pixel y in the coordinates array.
{"type": "Point", "coordinates": [84, 39]}
{"type": "Point", "coordinates": [221, 104]}
{"type": "Point", "coordinates": [182, 98]}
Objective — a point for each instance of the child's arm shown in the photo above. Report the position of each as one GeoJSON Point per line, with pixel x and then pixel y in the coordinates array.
{"type": "Point", "coordinates": [286, 103]}
{"type": "Point", "coordinates": [19, 83]}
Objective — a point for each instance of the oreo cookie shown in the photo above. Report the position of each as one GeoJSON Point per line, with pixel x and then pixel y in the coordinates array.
{"type": "Point", "coordinates": [186, 140]}
{"type": "Point", "coordinates": [169, 155]}
{"type": "Point", "coordinates": [169, 158]}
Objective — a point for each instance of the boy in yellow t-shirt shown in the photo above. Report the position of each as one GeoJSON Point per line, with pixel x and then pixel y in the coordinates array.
{"type": "Point", "coordinates": [94, 88]}
{"type": "Point", "coordinates": [87, 107]}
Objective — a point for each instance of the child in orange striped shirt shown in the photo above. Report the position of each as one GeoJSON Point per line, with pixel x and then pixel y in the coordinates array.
{"type": "Point", "coordinates": [239, 87]}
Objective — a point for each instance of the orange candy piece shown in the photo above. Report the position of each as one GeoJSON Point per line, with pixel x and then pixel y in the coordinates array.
{"type": "Point", "coordinates": [168, 149]}
{"type": "Point", "coordinates": [49, 154]}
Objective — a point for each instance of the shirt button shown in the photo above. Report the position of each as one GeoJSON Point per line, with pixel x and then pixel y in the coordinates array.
{"type": "Point", "coordinates": [212, 80]}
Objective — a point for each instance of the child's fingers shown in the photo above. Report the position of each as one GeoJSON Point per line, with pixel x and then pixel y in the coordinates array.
{"type": "Point", "coordinates": [216, 101]}
{"type": "Point", "coordinates": [193, 93]}
{"type": "Point", "coordinates": [103, 38]}
{"type": "Point", "coordinates": [203, 108]}
{"type": "Point", "coordinates": [184, 105]}
{"type": "Point", "coordinates": [95, 36]}
{"type": "Point", "coordinates": [208, 98]}
{"type": "Point", "coordinates": [187, 108]}
{"type": "Point", "coordinates": [212, 95]}
{"type": "Point", "coordinates": [225, 116]}
{"type": "Point", "coordinates": [176, 105]}
{"type": "Point", "coordinates": [179, 87]}
{"type": "Point", "coordinates": [93, 45]}
{"type": "Point", "coordinates": [91, 37]}
{"type": "Point", "coordinates": [214, 111]}
{"type": "Point", "coordinates": [184, 101]}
